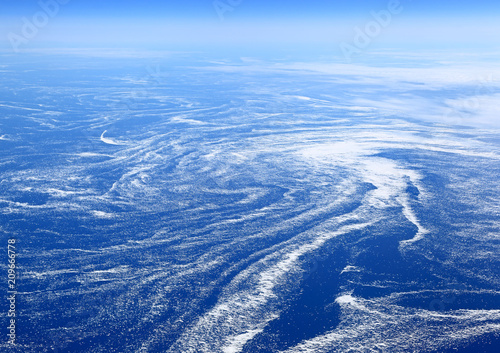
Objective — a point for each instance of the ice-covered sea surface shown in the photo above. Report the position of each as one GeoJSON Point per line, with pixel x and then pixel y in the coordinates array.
{"type": "Point", "coordinates": [174, 205]}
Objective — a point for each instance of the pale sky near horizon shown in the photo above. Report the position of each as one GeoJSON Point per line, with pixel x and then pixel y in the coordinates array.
{"type": "Point", "coordinates": [194, 23]}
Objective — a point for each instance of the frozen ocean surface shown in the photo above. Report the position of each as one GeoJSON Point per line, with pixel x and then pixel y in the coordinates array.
{"type": "Point", "coordinates": [182, 205]}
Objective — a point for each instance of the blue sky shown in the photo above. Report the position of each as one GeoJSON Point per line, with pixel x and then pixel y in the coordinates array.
{"type": "Point", "coordinates": [198, 23]}
{"type": "Point", "coordinates": [254, 9]}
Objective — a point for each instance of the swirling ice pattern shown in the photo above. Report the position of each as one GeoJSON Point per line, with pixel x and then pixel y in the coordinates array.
{"type": "Point", "coordinates": [190, 224]}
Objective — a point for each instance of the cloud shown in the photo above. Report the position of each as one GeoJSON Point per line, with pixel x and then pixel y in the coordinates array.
{"type": "Point", "coordinates": [438, 90]}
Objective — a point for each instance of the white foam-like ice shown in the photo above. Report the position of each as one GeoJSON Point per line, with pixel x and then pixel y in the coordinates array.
{"type": "Point", "coordinates": [110, 141]}
{"type": "Point", "coordinates": [104, 215]}
{"type": "Point", "coordinates": [92, 154]}
{"type": "Point", "coordinates": [380, 324]}
{"type": "Point", "coordinates": [224, 325]}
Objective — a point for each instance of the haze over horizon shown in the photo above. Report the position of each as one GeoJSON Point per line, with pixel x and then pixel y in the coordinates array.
{"type": "Point", "coordinates": [250, 26]}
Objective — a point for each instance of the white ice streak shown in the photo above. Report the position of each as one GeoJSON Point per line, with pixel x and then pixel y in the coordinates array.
{"type": "Point", "coordinates": [61, 193]}
{"type": "Point", "coordinates": [185, 119]}
{"type": "Point", "coordinates": [20, 107]}
{"type": "Point", "coordinates": [110, 141]}
{"type": "Point", "coordinates": [381, 325]}
{"type": "Point", "coordinates": [92, 154]}
{"type": "Point", "coordinates": [410, 215]}
{"type": "Point", "coordinates": [389, 179]}
{"type": "Point", "coordinates": [250, 301]}
{"type": "Point", "coordinates": [103, 215]}
{"type": "Point", "coordinates": [42, 275]}
{"type": "Point", "coordinates": [350, 268]}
